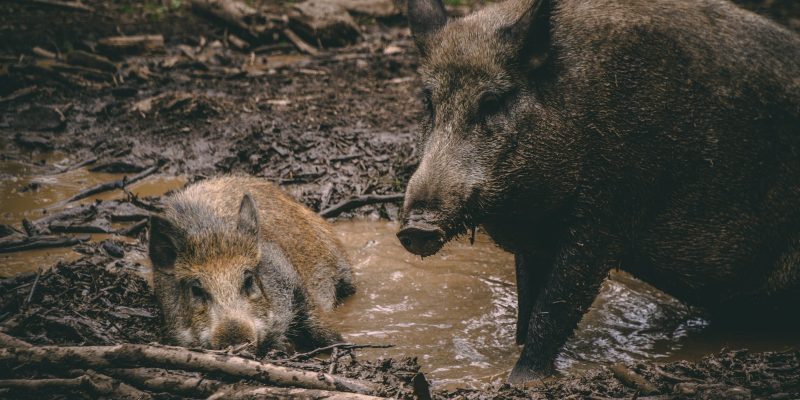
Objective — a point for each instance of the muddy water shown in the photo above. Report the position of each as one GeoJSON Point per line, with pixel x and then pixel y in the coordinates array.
{"type": "Point", "coordinates": [457, 312]}
{"type": "Point", "coordinates": [29, 189]}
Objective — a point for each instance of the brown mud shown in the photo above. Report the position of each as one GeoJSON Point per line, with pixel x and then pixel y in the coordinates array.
{"type": "Point", "coordinates": [325, 127]}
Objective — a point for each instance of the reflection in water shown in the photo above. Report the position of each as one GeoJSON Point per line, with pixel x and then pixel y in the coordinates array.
{"type": "Point", "coordinates": [457, 312]}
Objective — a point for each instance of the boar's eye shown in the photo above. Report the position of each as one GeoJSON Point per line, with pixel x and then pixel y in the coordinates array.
{"type": "Point", "coordinates": [198, 293]}
{"type": "Point", "coordinates": [489, 104]}
{"type": "Point", "coordinates": [427, 101]}
{"type": "Point", "coordinates": [249, 285]}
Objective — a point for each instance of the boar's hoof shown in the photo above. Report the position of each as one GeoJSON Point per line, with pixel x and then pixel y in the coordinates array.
{"type": "Point", "coordinates": [422, 239]}
{"type": "Point", "coordinates": [523, 373]}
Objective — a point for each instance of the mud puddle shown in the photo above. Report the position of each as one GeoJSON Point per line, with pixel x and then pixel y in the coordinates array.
{"type": "Point", "coordinates": [30, 189]}
{"type": "Point", "coordinates": [457, 312]}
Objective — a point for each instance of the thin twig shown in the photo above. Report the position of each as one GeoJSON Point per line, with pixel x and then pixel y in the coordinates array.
{"type": "Point", "coordinates": [360, 201]}
{"type": "Point", "coordinates": [41, 242]}
{"type": "Point", "coordinates": [348, 346]}
{"type": "Point", "coordinates": [118, 184]}
{"type": "Point", "coordinates": [33, 288]}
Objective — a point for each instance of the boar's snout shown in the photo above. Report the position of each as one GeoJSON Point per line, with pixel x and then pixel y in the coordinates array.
{"type": "Point", "coordinates": [232, 333]}
{"type": "Point", "coordinates": [420, 237]}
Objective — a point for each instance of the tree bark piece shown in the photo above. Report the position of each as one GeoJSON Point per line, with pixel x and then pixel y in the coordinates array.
{"type": "Point", "coordinates": [241, 17]}
{"type": "Point", "coordinates": [134, 355]}
{"type": "Point", "coordinates": [85, 59]}
{"type": "Point", "coordinates": [323, 22]}
{"type": "Point", "coordinates": [372, 8]}
{"type": "Point", "coordinates": [360, 201]}
{"type": "Point", "coordinates": [117, 45]}
{"type": "Point", "coordinates": [301, 44]}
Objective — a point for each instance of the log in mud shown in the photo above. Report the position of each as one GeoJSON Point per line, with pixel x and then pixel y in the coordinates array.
{"type": "Point", "coordinates": [210, 88]}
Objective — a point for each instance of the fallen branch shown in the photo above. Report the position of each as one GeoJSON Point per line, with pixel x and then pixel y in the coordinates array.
{"type": "Point", "coordinates": [161, 380]}
{"type": "Point", "coordinates": [300, 43]}
{"type": "Point", "coordinates": [67, 5]}
{"type": "Point", "coordinates": [288, 393]}
{"type": "Point", "coordinates": [19, 93]}
{"type": "Point", "coordinates": [91, 60]}
{"type": "Point", "coordinates": [360, 201]}
{"type": "Point", "coordinates": [134, 355]}
{"type": "Point", "coordinates": [118, 184]}
{"type": "Point", "coordinates": [7, 341]}
{"type": "Point", "coordinates": [632, 379]}
{"type": "Point", "coordinates": [130, 44]}
{"type": "Point", "coordinates": [40, 242]}
{"type": "Point", "coordinates": [91, 381]}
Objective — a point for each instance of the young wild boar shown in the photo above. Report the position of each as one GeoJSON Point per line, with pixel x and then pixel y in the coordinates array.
{"type": "Point", "coordinates": [658, 136]}
{"type": "Point", "coordinates": [235, 260]}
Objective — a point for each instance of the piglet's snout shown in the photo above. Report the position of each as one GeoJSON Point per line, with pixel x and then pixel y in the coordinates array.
{"type": "Point", "coordinates": [232, 333]}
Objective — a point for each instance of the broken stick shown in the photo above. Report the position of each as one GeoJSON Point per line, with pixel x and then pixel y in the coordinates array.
{"type": "Point", "coordinates": [40, 242]}
{"type": "Point", "coordinates": [118, 184]}
{"type": "Point", "coordinates": [360, 201]}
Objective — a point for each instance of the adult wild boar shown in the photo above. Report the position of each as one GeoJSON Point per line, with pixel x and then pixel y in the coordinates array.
{"type": "Point", "coordinates": [658, 136]}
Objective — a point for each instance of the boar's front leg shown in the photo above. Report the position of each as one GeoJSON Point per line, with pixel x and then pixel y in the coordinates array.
{"type": "Point", "coordinates": [570, 289]}
{"type": "Point", "coordinates": [532, 271]}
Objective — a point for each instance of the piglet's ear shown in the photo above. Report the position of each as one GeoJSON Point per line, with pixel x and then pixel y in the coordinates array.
{"type": "Point", "coordinates": [424, 18]}
{"type": "Point", "coordinates": [166, 240]}
{"type": "Point", "coordinates": [248, 216]}
{"type": "Point", "coordinates": [530, 31]}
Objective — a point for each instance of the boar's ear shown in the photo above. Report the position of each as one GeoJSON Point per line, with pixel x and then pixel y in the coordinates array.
{"type": "Point", "coordinates": [248, 216]}
{"type": "Point", "coordinates": [530, 31]}
{"type": "Point", "coordinates": [424, 18]}
{"type": "Point", "coordinates": [165, 241]}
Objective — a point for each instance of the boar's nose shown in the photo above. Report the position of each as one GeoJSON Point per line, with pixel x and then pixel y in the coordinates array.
{"type": "Point", "coordinates": [231, 333]}
{"type": "Point", "coordinates": [421, 238]}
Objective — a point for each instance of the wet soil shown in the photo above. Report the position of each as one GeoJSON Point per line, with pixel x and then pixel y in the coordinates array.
{"type": "Point", "coordinates": [324, 127]}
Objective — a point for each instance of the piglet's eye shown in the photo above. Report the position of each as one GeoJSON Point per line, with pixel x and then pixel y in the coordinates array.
{"type": "Point", "coordinates": [198, 293]}
{"type": "Point", "coordinates": [249, 284]}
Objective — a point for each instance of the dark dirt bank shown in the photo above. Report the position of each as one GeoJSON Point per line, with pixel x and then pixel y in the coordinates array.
{"type": "Point", "coordinates": [326, 126]}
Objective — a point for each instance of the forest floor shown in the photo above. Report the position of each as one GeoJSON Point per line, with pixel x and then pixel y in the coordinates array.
{"type": "Point", "coordinates": [204, 97]}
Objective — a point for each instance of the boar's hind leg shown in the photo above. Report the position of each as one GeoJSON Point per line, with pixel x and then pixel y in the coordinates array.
{"type": "Point", "coordinates": [570, 289]}
{"type": "Point", "coordinates": [531, 275]}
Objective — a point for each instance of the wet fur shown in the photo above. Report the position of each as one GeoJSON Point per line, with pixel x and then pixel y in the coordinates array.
{"type": "Point", "coordinates": [660, 137]}
{"type": "Point", "coordinates": [300, 265]}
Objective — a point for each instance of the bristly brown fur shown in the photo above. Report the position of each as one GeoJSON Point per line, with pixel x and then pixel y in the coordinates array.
{"type": "Point", "coordinates": [661, 136]}
{"type": "Point", "coordinates": [237, 260]}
